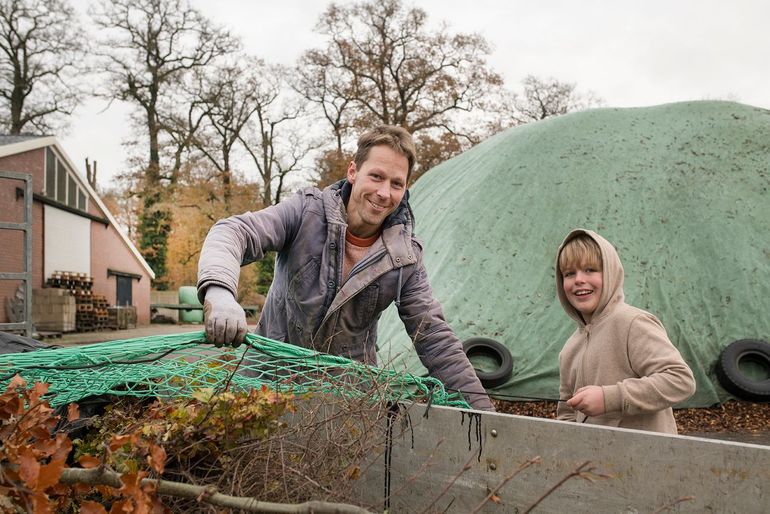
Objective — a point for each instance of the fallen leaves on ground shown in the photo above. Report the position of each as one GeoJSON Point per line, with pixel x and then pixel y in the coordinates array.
{"type": "Point", "coordinates": [734, 416]}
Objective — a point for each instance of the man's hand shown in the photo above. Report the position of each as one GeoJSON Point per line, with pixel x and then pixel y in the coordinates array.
{"type": "Point", "coordinates": [224, 319]}
{"type": "Point", "coordinates": [589, 400]}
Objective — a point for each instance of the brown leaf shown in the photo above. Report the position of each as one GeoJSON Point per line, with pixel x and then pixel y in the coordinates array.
{"type": "Point", "coordinates": [496, 499]}
{"type": "Point", "coordinates": [63, 447]}
{"type": "Point", "coordinates": [60, 489]}
{"type": "Point", "coordinates": [354, 473]}
{"type": "Point", "coordinates": [131, 483]}
{"type": "Point", "coordinates": [80, 488]}
{"type": "Point", "coordinates": [89, 507]}
{"type": "Point", "coordinates": [118, 441]}
{"type": "Point", "coordinates": [41, 504]}
{"type": "Point", "coordinates": [105, 490]}
{"type": "Point", "coordinates": [45, 446]}
{"type": "Point", "coordinates": [29, 467]}
{"type": "Point", "coordinates": [73, 412]}
{"type": "Point", "coordinates": [39, 432]}
{"type": "Point", "coordinates": [122, 506]}
{"type": "Point", "coordinates": [50, 474]}
{"type": "Point", "coordinates": [16, 383]}
{"type": "Point", "coordinates": [88, 461]}
{"type": "Point", "coordinates": [11, 405]}
{"type": "Point", "coordinates": [157, 458]}
{"type": "Point", "coordinates": [37, 391]}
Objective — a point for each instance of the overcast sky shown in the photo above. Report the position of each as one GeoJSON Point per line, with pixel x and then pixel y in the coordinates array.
{"type": "Point", "coordinates": [630, 53]}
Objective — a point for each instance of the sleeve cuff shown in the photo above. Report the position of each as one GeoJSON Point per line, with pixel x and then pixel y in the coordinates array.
{"type": "Point", "coordinates": [613, 398]}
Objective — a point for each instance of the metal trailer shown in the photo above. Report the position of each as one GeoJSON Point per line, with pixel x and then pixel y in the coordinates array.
{"type": "Point", "coordinates": [450, 460]}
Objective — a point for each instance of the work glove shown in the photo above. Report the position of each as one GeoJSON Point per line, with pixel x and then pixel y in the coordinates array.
{"type": "Point", "coordinates": [224, 319]}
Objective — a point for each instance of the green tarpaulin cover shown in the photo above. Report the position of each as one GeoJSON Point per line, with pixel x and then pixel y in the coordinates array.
{"type": "Point", "coordinates": [681, 190]}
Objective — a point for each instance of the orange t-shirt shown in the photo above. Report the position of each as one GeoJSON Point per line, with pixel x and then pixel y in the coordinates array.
{"type": "Point", "coordinates": [355, 250]}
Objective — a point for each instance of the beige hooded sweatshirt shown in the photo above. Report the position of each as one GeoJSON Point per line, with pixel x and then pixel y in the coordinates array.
{"type": "Point", "coordinates": [626, 351]}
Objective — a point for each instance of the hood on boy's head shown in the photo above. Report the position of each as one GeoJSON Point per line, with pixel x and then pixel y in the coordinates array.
{"type": "Point", "coordinates": [612, 275]}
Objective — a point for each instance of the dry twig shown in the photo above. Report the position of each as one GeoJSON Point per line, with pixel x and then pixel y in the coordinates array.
{"type": "Point", "coordinates": [508, 478]}
{"type": "Point", "coordinates": [580, 471]}
{"type": "Point", "coordinates": [674, 504]}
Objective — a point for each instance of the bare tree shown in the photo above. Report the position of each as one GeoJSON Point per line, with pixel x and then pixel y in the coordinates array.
{"type": "Point", "coordinates": [41, 49]}
{"type": "Point", "coordinates": [276, 139]}
{"type": "Point", "coordinates": [319, 83]}
{"type": "Point", "coordinates": [383, 65]}
{"type": "Point", "coordinates": [227, 98]}
{"type": "Point", "coordinates": [181, 118]}
{"type": "Point", "coordinates": [543, 98]}
{"type": "Point", "coordinates": [148, 48]}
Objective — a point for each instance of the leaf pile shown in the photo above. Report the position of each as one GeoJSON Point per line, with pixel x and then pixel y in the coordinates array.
{"type": "Point", "coordinates": [124, 447]}
{"type": "Point", "coordinates": [737, 417]}
{"type": "Point", "coordinates": [31, 458]}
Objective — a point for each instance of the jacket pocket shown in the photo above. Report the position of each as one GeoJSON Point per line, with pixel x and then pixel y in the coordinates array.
{"type": "Point", "coordinates": [304, 299]}
{"type": "Point", "coordinates": [304, 281]}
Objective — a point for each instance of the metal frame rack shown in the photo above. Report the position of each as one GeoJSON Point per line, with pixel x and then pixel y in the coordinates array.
{"type": "Point", "coordinates": [26, 275]}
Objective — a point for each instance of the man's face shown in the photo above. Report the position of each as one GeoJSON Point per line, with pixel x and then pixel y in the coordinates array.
{"type": "Point", "coordinates": [378, 187]}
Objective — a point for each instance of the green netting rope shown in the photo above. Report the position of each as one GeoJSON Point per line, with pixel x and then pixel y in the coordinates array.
{"type": "Point", "coordinates": [178, 365]}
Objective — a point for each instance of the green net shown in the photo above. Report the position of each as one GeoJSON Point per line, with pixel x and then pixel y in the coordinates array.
{"type": "Point", "coordinates": [178, 365]}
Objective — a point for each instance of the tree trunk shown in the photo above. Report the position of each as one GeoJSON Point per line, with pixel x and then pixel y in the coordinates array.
{"type": "Point", "coordinates": [155, 218]}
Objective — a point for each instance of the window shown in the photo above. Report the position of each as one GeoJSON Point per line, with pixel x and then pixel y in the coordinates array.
{"type": "Point", "coordinates": [72, 192]}
{"type": "Point", "coordinates": [50, 173]}
{"type": "Point", "coordinates": [60, 183]}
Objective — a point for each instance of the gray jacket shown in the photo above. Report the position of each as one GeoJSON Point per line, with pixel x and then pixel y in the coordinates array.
{"type": "Point", "coordinates": [310, 304]}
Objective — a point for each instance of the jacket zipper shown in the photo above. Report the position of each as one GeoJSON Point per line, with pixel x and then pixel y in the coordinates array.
{"type": "Point", "coordinates": [366, 261]}
{"type": "Point", "coordinates": [329, 315]}
{"type": "Point", "coordinates": [581, 380]}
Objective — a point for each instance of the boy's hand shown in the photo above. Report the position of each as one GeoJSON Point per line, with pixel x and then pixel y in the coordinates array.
{"type": "Point", "coordinates": [589, 400]}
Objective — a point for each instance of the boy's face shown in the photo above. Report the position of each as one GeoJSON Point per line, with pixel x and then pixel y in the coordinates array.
{"type": "Point", "coordinates": [583, 288]}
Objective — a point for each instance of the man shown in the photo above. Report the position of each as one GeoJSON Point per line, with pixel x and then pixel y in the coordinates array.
{"type": "Point", "coordinates": [344, 255]}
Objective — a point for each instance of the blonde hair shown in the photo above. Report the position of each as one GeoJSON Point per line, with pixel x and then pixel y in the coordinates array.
{"type": "Point", "coordinates": [580, 251]}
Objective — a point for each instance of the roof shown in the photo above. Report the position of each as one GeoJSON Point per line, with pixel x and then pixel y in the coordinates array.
{"type": "Point", "coordinates": [7, 139]}
{"type": "Point", "coordinates": [682, 191]}
{"type": "Point", "coordinates": [12, 144]}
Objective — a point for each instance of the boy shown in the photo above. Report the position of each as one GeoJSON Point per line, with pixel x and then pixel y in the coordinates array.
{"type": "Point", "coordinates": [618, 368]}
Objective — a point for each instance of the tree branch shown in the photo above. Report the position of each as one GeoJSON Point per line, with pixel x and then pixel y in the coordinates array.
{"type": "Point", "coordinates": [103, 476]}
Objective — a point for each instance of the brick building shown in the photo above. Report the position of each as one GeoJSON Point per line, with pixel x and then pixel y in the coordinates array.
{"type": "Point", "coordinates": [72, 230]}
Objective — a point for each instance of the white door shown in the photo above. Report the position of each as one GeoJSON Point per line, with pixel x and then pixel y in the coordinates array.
{"type": "Point", "coordinates": [66, 242]}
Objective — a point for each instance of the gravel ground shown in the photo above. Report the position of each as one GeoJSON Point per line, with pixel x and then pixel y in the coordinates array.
{"type": "Point", "coordinates": [733, 420]}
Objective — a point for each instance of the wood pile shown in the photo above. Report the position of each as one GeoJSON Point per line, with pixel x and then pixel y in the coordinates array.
{"type": "Point", "coordinates": [92, 314]}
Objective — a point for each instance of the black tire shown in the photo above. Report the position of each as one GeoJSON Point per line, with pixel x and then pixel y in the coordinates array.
{"type": "Point", "coordinates": [734, 380]}
{"type": "Point", "coordinates": [482, 346]}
